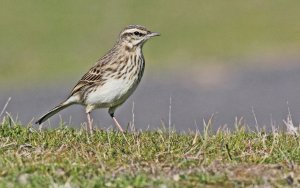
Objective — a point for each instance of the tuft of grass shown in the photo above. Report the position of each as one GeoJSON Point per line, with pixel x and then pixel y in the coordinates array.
{"type": "Point", "coordinates": [162, 158]}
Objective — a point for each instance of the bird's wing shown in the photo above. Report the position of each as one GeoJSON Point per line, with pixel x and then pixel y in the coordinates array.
{"type": "Point", "coordinates": [92, 77]}
{"type": "Point", "coordinates": [95, 75]}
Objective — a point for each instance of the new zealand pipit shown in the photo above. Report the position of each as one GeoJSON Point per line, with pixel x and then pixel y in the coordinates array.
{"type": "Point", "coordinates": [113, 78]}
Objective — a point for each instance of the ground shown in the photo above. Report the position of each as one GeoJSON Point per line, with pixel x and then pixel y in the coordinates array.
{"type": "Point", "coordinates": [67, 157]}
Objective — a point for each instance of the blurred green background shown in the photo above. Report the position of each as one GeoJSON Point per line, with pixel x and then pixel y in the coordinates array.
{"type": "Point", "coordinates": [60, 39]}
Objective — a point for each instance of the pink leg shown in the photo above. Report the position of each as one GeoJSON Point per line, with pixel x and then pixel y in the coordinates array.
{"type": "Point", "coordinates": [117, 124]}
{"type": "Point", "coordinates": [90, 123]}
{"type": "Point", "coordinates": [111, 112]}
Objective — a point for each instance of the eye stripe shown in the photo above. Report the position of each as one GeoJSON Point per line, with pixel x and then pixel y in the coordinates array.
{"type": "Point", "coordinates": [133, 32]}
{"type": "Point", "coordinates": [138, 33]}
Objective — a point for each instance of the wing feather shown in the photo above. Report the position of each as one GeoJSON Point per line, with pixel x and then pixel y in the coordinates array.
{"type": "Point", "coordinates": [94, 75]}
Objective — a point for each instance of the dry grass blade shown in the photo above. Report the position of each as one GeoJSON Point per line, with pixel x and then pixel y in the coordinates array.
{"type": "Point", "coordinates": [5, 106]}
{"type": "Point", "coordinates": [291, 129]}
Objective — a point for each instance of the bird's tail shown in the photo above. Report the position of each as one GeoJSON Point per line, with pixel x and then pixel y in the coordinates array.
{"type": "Point", "coordinates": [52, 112]}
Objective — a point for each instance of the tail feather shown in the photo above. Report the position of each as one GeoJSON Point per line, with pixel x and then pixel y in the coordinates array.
{"type": "Point", "coordinates": [52, 112]}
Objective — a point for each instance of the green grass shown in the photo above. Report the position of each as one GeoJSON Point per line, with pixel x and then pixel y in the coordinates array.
{"type": "Point", "coordinates": [52, 39]}
{"type": "Point", "coordinates": [163, 158]}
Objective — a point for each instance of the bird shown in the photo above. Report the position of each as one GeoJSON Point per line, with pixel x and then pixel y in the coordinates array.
{"type": "Point", "coordinates": [114, 77]}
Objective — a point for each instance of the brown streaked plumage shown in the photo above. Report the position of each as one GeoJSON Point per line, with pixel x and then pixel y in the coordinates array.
{"type": "Point", "coordinates": [113, 78]}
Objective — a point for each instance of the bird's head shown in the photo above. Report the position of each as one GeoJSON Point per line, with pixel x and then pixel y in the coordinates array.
{"type": "Point", "coordinates": [135, 35]}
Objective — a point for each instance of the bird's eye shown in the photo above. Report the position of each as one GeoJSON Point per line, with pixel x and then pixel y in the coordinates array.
{"type": "Point", "coordinates": [137, 33]}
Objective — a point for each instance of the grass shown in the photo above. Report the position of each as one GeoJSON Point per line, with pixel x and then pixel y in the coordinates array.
{"type": "Point", "coordinates": [68, 157]}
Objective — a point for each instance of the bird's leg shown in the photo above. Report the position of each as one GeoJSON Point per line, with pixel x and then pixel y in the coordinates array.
{"type": "Point", "coordinates": [117, 124]}
{"type": "Point", "coordinates": [90, 123]}
{"type": "Point", "coordinates": [111, 112]}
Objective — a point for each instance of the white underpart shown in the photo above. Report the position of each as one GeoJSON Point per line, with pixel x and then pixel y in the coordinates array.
{"type": "Point", "coordinates": [113, 93]}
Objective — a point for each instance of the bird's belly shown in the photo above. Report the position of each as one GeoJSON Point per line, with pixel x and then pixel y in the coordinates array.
{"type": "Point", "coordinates": [113, 93]}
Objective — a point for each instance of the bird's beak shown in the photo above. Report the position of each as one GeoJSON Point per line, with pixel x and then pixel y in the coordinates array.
{"type": "Point", "coordinates": [153, 34]}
